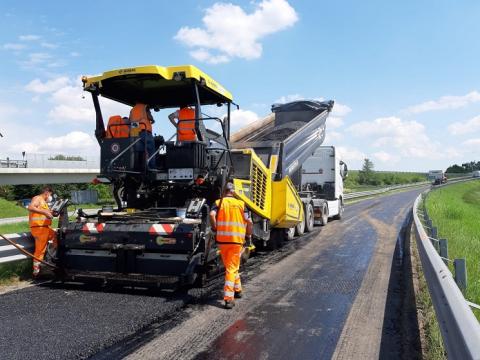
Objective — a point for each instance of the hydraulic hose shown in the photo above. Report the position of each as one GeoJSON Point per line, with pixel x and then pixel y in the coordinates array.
{"type": "Point", "coordinates": [25, 252]}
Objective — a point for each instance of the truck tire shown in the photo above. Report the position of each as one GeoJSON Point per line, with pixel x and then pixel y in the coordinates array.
{"type": "Point", "coordinates": [341, 209]}
{"type": "Point", "coordinates": [300, 227]}
{"type": "Point", "coordinates": [309, 218]}
{"type": "Point", "coordinates": [324, 216]}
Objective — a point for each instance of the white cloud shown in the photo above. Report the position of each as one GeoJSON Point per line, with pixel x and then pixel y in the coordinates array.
{"type": "Point", "coordinates": [48, 45]}
{"type": "Point", "coordinates": [350, 154]}
{"type": "Point", "coordinates": [385, 157]}
{"type": "Point", "coordinates": [29, 37]}
{"type": "Point", "coordinates": [405, 138]}
{"type": "Point", "coordinates": [69, 103]}
{"type": "Point", "coordinates": [37, 58]}
{"type": "Point", "coordinates": [240, 118]}
{"type": "Point", "coordinates": [461, 128]}
{"type": "Point", "coordinates": [74, 54]}
{"type": "Point", "coordinates": [39, 87]}
{"type": "Point", "coordinates": [340, 110]}
{"type": "Point", "coordinates": [229, 32]}
{"type": "Point", "coordinates": [205, 56]}
{"type": "Point", "coordinates": [14, 46]}
{"type": "Point", "coordinates": [332, 136]}
{"type": "Point", "coordinates": [76, 142]}
{"type": "Point", "coordinates": [289, 98]}
{"type": "Point", "coordinates": [445, 102]}
{"type": "Point", "coordinates": [334, 122]}
{"type": "Point", "coordinates": [472, 143]}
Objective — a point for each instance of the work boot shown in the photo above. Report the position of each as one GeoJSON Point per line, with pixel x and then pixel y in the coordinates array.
{"type": "Point", "coordinates": [238, 294]}
{"type": "Point", "coordinates": [229, 304]}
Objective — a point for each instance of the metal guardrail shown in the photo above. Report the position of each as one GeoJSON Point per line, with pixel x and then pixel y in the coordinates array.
{"type": "Point", "coordinates": [458, 325]}
{"type": "Point", "coordinates": [8, 253]}
{"type": "Point", "coordinates": [360, 194]}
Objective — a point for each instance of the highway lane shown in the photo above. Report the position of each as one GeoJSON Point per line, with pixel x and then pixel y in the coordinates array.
{"type": "Point", "coordinates": [307, 301]}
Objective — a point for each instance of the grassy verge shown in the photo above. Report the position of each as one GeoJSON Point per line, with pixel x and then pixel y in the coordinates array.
{"type": "Point", "coordinates": [10, 209]}
{"type": "Point", "coordinates": [432, 344]}
{"type": "Point", "coordinates": [455, 211]}
{"type": "Point", "coordinates": [14, 272]}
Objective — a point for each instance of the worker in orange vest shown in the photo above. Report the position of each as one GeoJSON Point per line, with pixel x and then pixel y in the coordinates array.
{"type": "Point", "coordinates": [40, 221]}
{"type": "Point", "coordinates": [185, 124]}
{"type": "Point", "coordinates": [229, 218]}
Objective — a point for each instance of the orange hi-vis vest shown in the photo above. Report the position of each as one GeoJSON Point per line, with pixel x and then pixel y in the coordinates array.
{"type": "Point", "coordinates": [186, 125]}
{"type": "Point", "coordinates": [117, 127]}
{"type": "Point", "coordinates": [231, 224]}
{"type": "Point", "coordinates": [139, 114]}
{"type": "Point", "coordinates": [39, 220]}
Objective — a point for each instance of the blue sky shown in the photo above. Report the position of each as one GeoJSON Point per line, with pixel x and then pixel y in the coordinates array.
{"type": "Point", "coordinates": [404, 74]}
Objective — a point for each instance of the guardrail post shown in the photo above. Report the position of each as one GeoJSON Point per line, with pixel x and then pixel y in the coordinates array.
{"type": "Point", "coordinates": [444, 250]}
{"type": "Point", "coordinates": [460, 266]}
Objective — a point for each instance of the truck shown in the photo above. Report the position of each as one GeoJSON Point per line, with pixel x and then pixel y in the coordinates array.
{"type": "Point", "coordinates": [159, 234]}
{"type": "Point", "coordinates": [323, 175]}
{"type": "Point", "coordinates": [437, 177]}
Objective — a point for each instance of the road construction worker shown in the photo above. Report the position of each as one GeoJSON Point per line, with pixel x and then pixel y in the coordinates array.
{"type": "Point", "coordinates": [229, 218]}
{"type": "Point", "coordinates": [184, 121]}
{"type": "Point", "coordinates": [141, 121]}
{"type": "Point", "coordinates": [40, 221]}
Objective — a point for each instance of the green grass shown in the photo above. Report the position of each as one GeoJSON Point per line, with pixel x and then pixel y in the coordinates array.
{"type": "Point", "coordinates": [455, 211]}
{"type": "Point", "coordinates": [19, 270]}
{"type": "Point", "coordinates": [10, 209]}
{"type": "Point", "coordinates": [381, 179]}
{"type": "Point", "coordinates": [14, 228]}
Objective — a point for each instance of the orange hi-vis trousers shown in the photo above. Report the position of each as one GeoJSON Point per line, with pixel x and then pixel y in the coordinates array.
{"type": "Point", "coordinates": [230, 254]}
{"type": "Point", "coordinates": [41, 234]}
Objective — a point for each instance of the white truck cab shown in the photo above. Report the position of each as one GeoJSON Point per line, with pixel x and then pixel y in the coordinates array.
{"type": "Point", "coordinates": [322, 181]}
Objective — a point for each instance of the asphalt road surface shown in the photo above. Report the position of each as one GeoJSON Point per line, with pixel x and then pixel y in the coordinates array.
{"type": "Point", "coordinates": [324, 295]}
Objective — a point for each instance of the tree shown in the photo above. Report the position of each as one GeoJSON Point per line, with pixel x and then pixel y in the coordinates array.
{"type": "Point", "coordinates": [66, 158]}
{"type": "Point", "coordinates": [455, 169]}
{"type": "Point", "coordinates": [367, 175]}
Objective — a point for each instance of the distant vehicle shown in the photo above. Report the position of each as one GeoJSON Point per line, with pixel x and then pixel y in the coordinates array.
{"type": "Point", "coordinates": [437, 177]}
{"type": "Point", "coordinates": [476, 174]}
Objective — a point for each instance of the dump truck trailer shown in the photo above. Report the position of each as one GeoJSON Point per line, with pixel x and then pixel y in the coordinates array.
{"type": "Point", "coordinates": [159, 232]}
{"type": "Point", "coordinates": [282, 142]}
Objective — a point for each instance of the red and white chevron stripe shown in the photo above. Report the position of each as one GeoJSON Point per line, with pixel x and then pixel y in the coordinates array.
{"type": "Point", "coordinates": [161, 229]}
{"type": "Point", "coordinates": [93, 228]}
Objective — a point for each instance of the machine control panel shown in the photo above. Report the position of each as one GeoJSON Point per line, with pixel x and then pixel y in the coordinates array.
{"type": "Point", "coordinates": [180, 174]}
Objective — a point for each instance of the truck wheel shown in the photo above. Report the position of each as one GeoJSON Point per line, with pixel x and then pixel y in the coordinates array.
{"type": "Point", "coordinates": [341, 209]}
{"type": "Point", "coordinates": [324, 216]}
{"type": "Point", "coordinates": [309, 218]}
{"type": "Point", "coordinates": [300, 227]}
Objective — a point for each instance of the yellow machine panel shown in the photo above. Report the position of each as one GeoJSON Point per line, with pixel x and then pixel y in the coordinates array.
{"type": "Point", "coordinates": [287, 208]}
{"type": "Point", "coordinates": [256, 191]}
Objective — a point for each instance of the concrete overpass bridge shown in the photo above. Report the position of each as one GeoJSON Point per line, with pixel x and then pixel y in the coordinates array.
{"type": "Point", "coordinates": [48, 169]}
